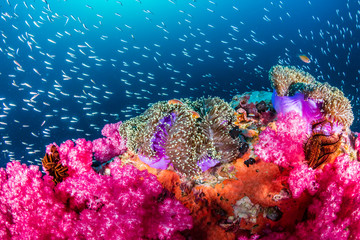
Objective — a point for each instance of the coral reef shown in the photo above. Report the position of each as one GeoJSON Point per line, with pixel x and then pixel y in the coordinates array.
{"type": "Point", "coordinates": [325, 108]}
{"type": "Point", "coordinates": [269, 191]}
{"type": "Point", "coordinates": [281, 165]}
{"type": "Point", "coordinates": [214, 197]}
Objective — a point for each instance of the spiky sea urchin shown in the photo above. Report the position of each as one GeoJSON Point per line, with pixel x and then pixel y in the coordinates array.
{"type": "Point", "coordinates": [187, 141]}
{"type": "Point", "coordinates": [335, 106]}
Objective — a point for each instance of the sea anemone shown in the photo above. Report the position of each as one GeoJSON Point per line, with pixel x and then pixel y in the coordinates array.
{"type": "Point", "coordinates": [181, 144]}
{"type": "Point", "coordinates": [170, 132]}
{"type": "Point", "coordinates": [216, 126]}
{"type": "Point", "coordinates": [299, 91]}
{"type": "Point", "coordinates": [283, 77]}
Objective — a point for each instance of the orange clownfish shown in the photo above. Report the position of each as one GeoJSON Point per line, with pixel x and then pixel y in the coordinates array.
{"type": "Point", "coordinates": [304, 58]}
{"type": "Point", "coordinates": [175, 101]}
{"type": "Point", "coordinates": [195, 114]}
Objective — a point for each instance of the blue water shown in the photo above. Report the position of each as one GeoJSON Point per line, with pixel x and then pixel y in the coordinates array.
{"type": "Point", "coordinates": [111, 59]}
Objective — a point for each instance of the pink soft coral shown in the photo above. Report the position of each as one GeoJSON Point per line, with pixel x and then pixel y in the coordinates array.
{"type": "Point", "coordinates": [336, 206]}
{"type": "Point", "coordinates": [283, 145]}
{"type": "Point", "coordinates": [125, 205]}
{"type": "Point", "coordinates": [301, 178]}
{"type": "Point", "coordinates": [78, 158]}
{"type": "Point", "coordinates": [112, 145]}
{"type": "Point", "coordinates": [29, 208]}
{"type": "Point", "coordinates": [128, 204]}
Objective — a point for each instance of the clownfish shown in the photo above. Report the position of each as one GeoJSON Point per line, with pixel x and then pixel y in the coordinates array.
{"type": "Point", "coordinates": [195, 114]}
{"type": "Point", "coordinates": [175, 101]}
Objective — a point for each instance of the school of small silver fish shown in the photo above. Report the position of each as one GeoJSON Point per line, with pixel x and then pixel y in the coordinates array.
{"type": "Point", "coordinates": [69, 67]}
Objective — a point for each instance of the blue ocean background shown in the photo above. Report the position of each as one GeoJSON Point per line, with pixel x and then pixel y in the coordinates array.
{"type": "Point", "coordinates": [70, 67]}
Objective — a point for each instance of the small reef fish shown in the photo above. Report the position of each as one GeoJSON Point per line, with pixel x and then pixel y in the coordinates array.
{"type": "Point", "coordinates": [175, 101]}
{"type": "Point", "coordinates": [195, 115]}
{"type": "Point", "coordinates": [304, 58]}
